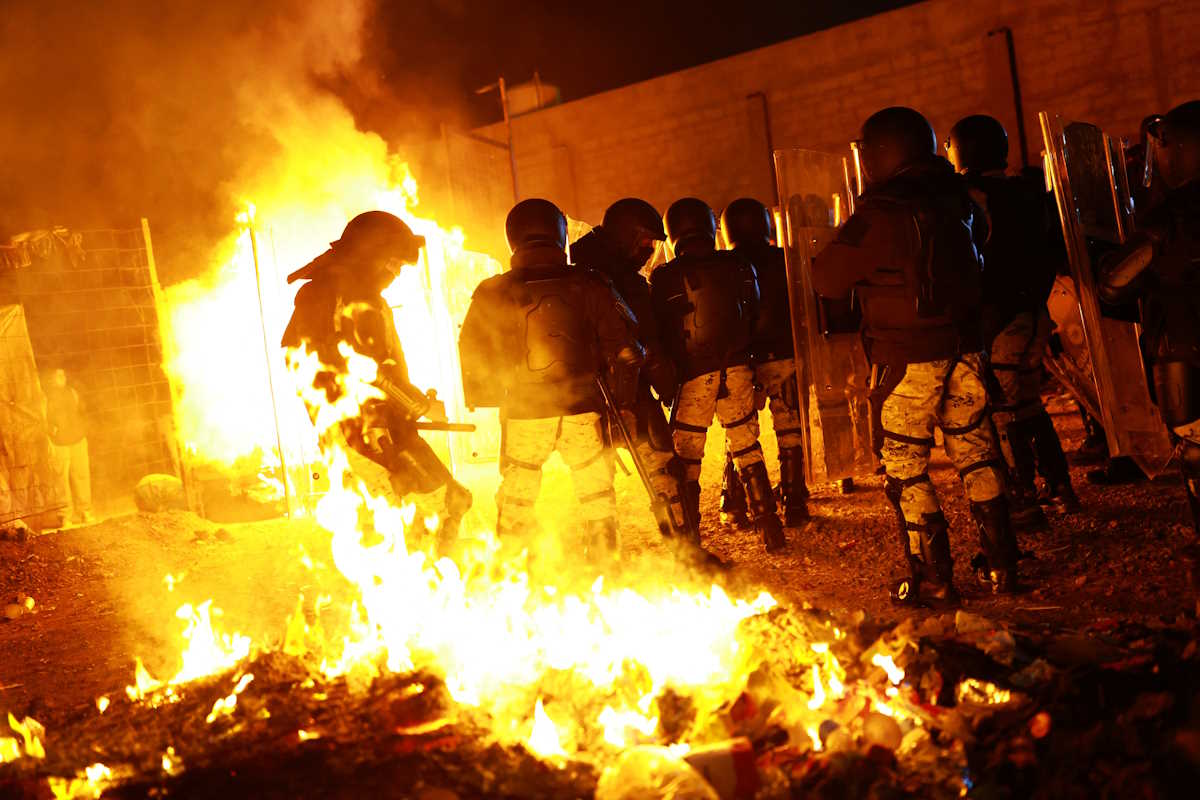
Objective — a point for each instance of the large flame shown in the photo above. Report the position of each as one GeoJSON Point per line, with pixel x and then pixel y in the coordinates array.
{"type": "Point", "coordinates": [557, 654]}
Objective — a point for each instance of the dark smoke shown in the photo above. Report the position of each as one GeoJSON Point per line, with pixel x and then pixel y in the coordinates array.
{"type": "Point", "coordinates": [130, 108]}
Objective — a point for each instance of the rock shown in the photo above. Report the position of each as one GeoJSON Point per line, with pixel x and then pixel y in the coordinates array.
{"type": "Point", "coordinates": [880, 729]}
{"type": "Point", "coordinates": [12, 611]}
{"type": "Point", "coordinates": [157, 492]}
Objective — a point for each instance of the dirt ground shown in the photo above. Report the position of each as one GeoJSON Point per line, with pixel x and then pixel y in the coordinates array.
{"type": "Point", "coordinates": [103, 596]}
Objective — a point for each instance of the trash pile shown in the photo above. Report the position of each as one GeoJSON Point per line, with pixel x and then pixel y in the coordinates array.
{"type": "Point", "coordinates": [940, 707]}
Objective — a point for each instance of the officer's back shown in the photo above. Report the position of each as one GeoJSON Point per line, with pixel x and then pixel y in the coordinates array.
{"type": "Point", "coordinates": [537, 336]}
{"type": "Point", "coordinates": [706, 301]}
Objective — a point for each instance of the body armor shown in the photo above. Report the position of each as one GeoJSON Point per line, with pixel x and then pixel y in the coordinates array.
{"type": "Point", "coordinates": [706, 303]}
{"type": "Point", "coordinates": [535, 338]}
{"type": "Point", "coordinates": [1023, 249]}
{"type": "Point", "coordinates": [920, 280]}
{"type": "Point", "coordinates": [772, 336]}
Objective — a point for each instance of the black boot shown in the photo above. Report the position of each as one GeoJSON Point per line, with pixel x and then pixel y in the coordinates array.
{"type": "Point", "coordinates": [600, 538]}
{"type": "Point", "coordinates": [793, 493]}
{"type": "Point", "coordinates": [998, 568]}
{"type": "Point", "coordinates": [1022, 484]}
{"type": "Point", "coordinates": [763, 508]}
{"type": "Point", "coordinates": [733, 497]}
{"type": "Point", "coordinates": [1052, 465]}
{"type": "Point", "coordinates": [931, 570]}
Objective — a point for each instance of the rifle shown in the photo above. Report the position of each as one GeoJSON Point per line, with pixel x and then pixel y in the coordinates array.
{"type": "Point", "coordinates": [411, 404]}
{"type": "Point", "coordinates": [658, 504]}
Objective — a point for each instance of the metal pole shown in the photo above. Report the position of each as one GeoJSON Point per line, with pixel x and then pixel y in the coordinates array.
{"type": "Point", "coordinates": [262, 318]}
{"type": "Point", "coordinates": [512, 156]}
{"type": "Point", "coordinates": [1018, 105]}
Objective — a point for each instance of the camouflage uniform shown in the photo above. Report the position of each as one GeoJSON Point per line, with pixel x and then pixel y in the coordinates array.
{"type": "Point", "coordinates": [528, 443]}
{"type": "Point", "coordinates": [533, 342]}
{"type": "Point", "coordinates": [949, 394]}
{"type": "Point", "coordinates": [748, 227]}
{"type": "Point", "coordinates": [908, 254]}
{"type": "Point", "coordinates": [600, 249]}
{"type": "Point", "coordinates": [1022, 252]}
{"type": "Point", "coordinates": [706, 302]}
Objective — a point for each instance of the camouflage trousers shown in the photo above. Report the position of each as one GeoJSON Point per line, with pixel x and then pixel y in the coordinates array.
{"type": "Point", "coordinates": [779, 392]}
{"type": "Point", "coordinates": [1016, 361]}
{"type": "Point", "coordinates": [528, 444]}
{"type": "Point", "coordinates": [950, 395]}
{"type": "Point", "coordinates": [731, 399]}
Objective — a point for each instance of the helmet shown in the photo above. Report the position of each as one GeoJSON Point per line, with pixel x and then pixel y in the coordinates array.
{"type": "Point", "coordinates": [980, 144]}
{"type": "Point", "coordinates": [690, 218]}
{"type": "Point", "coordinates": [746, 221]}
{"type": "Point", "coordinates": [894, 138]}
{"type": "Point", "coordinates": [634, 225]}
{"type": "Point", "coordinates": [1175, 140]}
{"type": "Point", "coordinates": [378, 234]}
{"type": "Point", "coordinates": [632, 214]}
{"type": "Point", "coordinates": [535, 222]}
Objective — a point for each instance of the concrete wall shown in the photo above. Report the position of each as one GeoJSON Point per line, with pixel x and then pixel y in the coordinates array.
{"type": "Point", "coordinates": [708, 131]}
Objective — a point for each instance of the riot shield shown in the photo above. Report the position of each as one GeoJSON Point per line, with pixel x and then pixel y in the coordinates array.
{"type": "Point", "coordinates": [1068, 359]}
{"type": "Point", "coordinates": [1087, 171]}
{"type": "Point", "coordinates": [814, 200]}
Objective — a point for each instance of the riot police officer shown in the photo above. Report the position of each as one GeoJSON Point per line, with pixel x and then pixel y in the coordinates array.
{"type": "Point", "coordinates": [532, 344]}
{"type": "Point", "coordinates": [1022, 253]}
{"type": "Point", "coordinates": [706, 302]}
{"type": "Point", "coordinates": [341, 304]}
{"type": "Point", "coordinates": [908, 255]}
{"type": "Point", "coordinates": [1160, 266]}
{"type": "Point", "coordinates": [747, 227]}
{"type": "Point", "coordinates": [619, 248]}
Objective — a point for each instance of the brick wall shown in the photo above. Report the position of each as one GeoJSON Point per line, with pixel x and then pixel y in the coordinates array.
{"type": "Point", "coordinates": [703, 131]}
{"type": "Point", "coordinates": [93, 313]}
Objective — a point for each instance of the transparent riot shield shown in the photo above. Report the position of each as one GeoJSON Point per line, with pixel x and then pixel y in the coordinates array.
{"type": "Point", "coordinates": [814, 200]}
{"type": "Point", "coordinates": [1087, 172]}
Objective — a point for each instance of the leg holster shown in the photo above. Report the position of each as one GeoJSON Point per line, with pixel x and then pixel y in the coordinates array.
{"type": "Point", "coordinates": [998, 542]}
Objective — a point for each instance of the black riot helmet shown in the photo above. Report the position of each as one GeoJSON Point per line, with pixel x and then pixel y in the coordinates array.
{"type": "Point", "coordinates": [691, 220]}
{"type": "Point", "coordinates": [978, 143]}
{"type": "Point", "coordinates": [1175, 141]}
{"type": "Point", "coordinates": [894, 138]}
{"type": "Point", "coordinates": [380, 237]}
{"type": "Point", "coordinates": [746, 222]}
{"type": "Point", "coordinates": [536, 222]}
{"type": "Point", "coordinates": [633, 225]}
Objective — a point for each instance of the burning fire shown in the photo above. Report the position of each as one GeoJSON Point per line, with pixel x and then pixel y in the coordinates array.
{"type": "Point", "coordinates": [570, 662]}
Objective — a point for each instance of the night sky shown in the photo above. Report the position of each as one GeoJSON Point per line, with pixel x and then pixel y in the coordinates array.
{"type": "Point", "coordinates": [448, 48]}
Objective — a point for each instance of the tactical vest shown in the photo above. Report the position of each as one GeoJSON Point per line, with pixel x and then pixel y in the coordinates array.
{"type": "Point", "coordinates": [928, 307]}
{"type": "Point", "coordinates": [772, 337]}
{"type": "Point", "coordinates": [555, 335]}
{"type": "Point", "coordinates": [706, 304]}
{"type": "Point", "coordinates": [1021, 255]}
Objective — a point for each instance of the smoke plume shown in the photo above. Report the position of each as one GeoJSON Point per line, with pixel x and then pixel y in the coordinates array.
{"type": "Point", "coordinates": [132, 108]}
